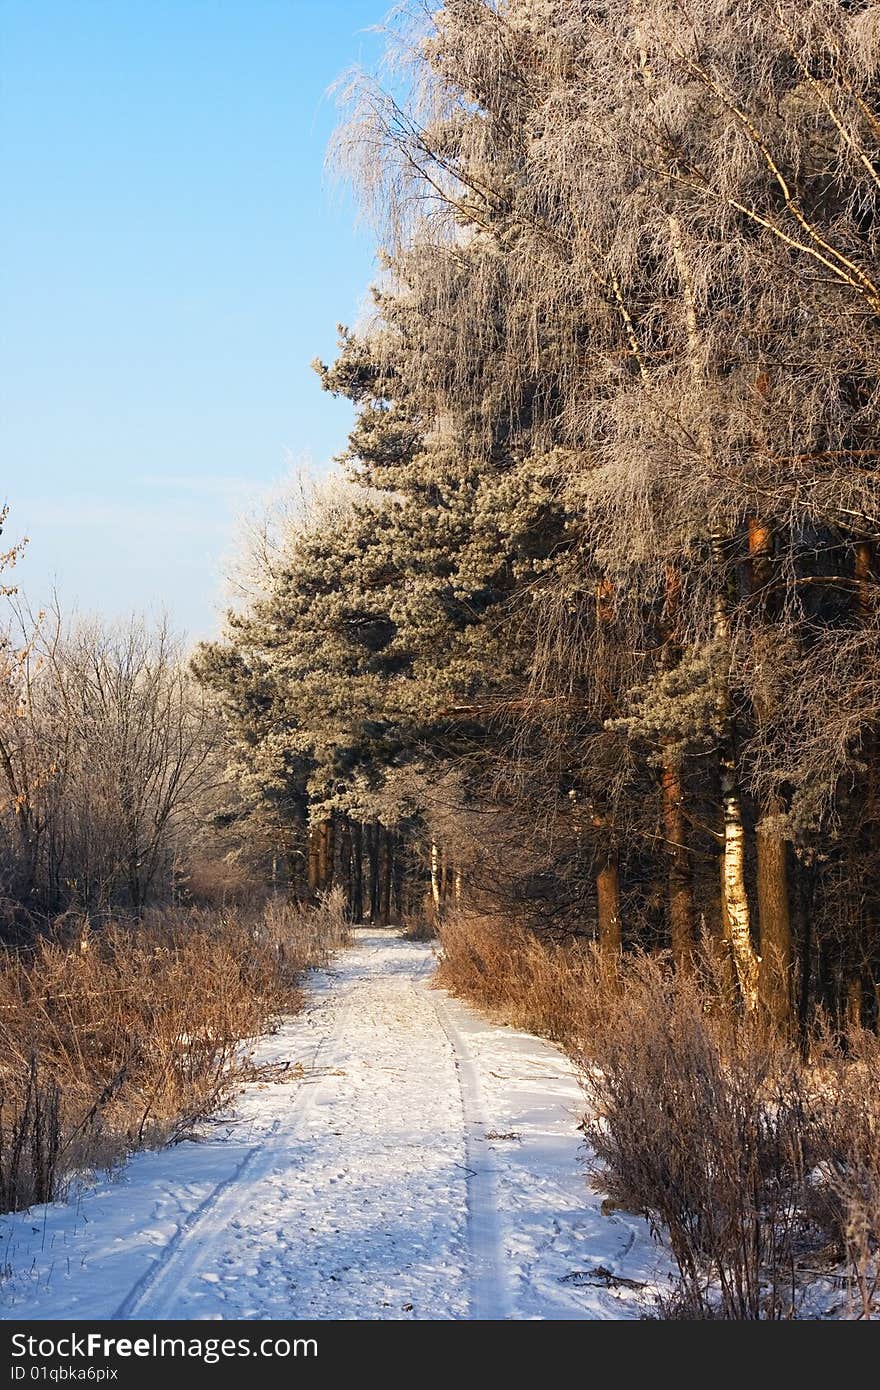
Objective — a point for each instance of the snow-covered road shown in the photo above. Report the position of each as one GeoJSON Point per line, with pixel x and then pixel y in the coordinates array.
{"type": "Point", "coordinates": [407, 1159]}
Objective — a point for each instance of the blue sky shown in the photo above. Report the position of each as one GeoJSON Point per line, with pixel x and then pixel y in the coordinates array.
{"type": "Point", "coordinates": [172, 257]}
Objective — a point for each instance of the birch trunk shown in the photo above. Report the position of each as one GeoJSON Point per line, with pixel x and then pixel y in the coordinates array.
{"type": "Point", "coordinates": [735, 911]}
{"type": "Point", "coordinates": [735, 907]}
{"type": "Point", "coordinates": [435, 875]}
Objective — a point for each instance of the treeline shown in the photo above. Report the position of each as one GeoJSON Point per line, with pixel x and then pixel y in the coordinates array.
{"type": "Point", "coordinates": [114, 792]}
{"type": "Point", "coordinates": [593, 622]}
{"type": "Point", "coordinates": [140, 943]}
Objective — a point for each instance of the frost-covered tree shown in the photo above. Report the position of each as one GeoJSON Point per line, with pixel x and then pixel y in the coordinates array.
{"type": "Point", "coordinates": [608, 562]}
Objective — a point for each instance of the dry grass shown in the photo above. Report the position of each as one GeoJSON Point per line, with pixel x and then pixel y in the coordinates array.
{"type": "Point", "coordinates": [548, 987]}
{"type": "Point", "coordinates": [420, 927]}
{"type": "Point", "coordinates": [762, 1171]}
{"type": "Point", "coordinates": [123, 1038]}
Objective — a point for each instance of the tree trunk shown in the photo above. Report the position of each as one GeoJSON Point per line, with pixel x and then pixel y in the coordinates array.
{"type": "Point", "coordinates": [448, 879]}
{"type": "Point", "coordinates": [774, 915]}
{"type": "Point", "coordinates": [399, 882]}
{"type": "Point", "coordinates": [735, 903]}
{"type": "Point", "coordinates": [735, 897]}
{"type": "Point", "coordinates": [802, 918]}
{"type": "Point", "coordinates": [866, 579]}
{"type": "Point", "coordinates": [314, 859]}
{"type": "Point", "coordinates": [722, 945]}
{"type": "Point", "coordinates": [345, 863]}
{"type": "Point", "coordinates": [827, 983]}
{"type": "Point", "coordinates": [325, 854]}
{"type": "Point", "coordinates": [387, 874]}
{"type": "Point", "coordinates": [357, 872]}
{"type": "Point", "coordinates": [293, 864]}
{"type": "Point", "coordinates": [774, 909]}
{"type": "Point", "coordinates": [608, 921]}
{"type": "Point", "coordinates": [854, 1002]}
{"type": "Point", "coordinates": [681, 914]}
{"type": "Point", "coordinates": [680, 877]}
{"type": "Point", "coordinates": [375, 848]}
{"type": "Point", "coordinates": [436, 871]}
{"type": "Point", "coordinates": [608, 905]}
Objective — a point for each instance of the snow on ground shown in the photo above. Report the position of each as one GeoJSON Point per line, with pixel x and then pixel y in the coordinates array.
{"type": "Point", "coordinates": [412, 1161]}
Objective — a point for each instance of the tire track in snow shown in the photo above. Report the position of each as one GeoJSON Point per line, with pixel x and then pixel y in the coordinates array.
{"type": "Point", "coordinates": [489, 1293]}
{"type": "Point", "coordinates": [196, 1240]}
{"type": "Point", "coordinates": [175, 1253]}
{"type": "Point", "coordinates": [372, 1188]}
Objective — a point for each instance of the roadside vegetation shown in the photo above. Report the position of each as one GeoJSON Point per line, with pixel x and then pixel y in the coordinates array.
{"type": "Point", "coordinates": [130, 1034]}
{"type": "Point", "coordinates": [576, 655]}
{"type": "Point", "coordinates": [759, 1165]}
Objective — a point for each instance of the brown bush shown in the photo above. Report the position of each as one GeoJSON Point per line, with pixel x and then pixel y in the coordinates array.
{"type": "Point", "coordinates": [549, 987]}
{"type": "Point", "coordinates": [844, 1187]}
{"type": "Point", "coordinates": [115, 1039]}
{"type": "Point", "coordinates": [420, 926]}
{"type": "Point", "coordinates": [700, 1127]}
{"type": "Point", "coordinates": [761, 1169]}
{"type": "Point", "coordinates": [218, 883]}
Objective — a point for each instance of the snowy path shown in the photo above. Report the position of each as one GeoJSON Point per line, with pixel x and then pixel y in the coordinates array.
{"type": "Point", "coordinates": [414, 1161]}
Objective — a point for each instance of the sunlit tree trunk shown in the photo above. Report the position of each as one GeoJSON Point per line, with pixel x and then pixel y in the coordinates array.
{"type": "Point", "coordinates": [721, 944]}
{"type": "Point", "coordinates": [608, 905]}
{"type": "Point", "coordinates": [736, 902]}
{"type": "Point", "coordinates": [774, 916]}
{"type": "Point", "coordinates": [436, 871]}
{"type": "Point", "coordinates": [735, 909]}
